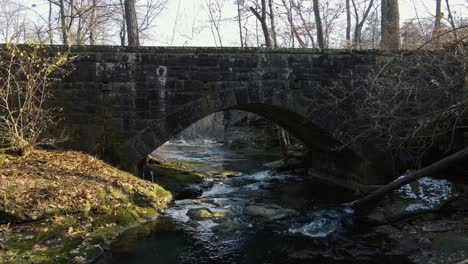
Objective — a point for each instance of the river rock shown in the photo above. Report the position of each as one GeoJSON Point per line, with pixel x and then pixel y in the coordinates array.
{"type": "Point", "coordinates": [200, 214]}
{"type": "Point", "coordinates": [227, 226]}
{"type": "Point", "coordinates": [426, 194]}
{"type": "Point", "coordinates": [406, 244]}
{"type": "Point", "coordinates": [270, 212]}
{"type": "Point", "coordinates": [189, 192]}
{"type": "Point", "coordinates": [376, 215]}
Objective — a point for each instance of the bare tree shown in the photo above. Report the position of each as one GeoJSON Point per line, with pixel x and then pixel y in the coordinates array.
{"type": "Point", "coordinates": [306, 28]}
{"type": "Point", "coordinates": [262, 18]}
{"type": "Point", "coordinates": [93, 24]}
{"type": "Point", "coordinates": [438, 16]}
{"type": "Point", "coordinates": [370, 36]}
{"type": "Point", "coordinates": [12, 21]}
{"type": "Point", "coordinates": [390, 24]}
{"type": "Point", "coordinates": [147, 13]}
{"type": "Point", "coordinates": [239, 20]}
{"type": "Point", "coordinates": [294, 32]}
{"type": "Point", "coordinates": [131, 23]}
{"type": "Point", "coordinates": [348, 24]}
{"type": "Point", "coordinates": [360, 21]}
{"type": "Point", "coordinates": [272, 24]}
{"type": "Point", "coordinates": [318, 23]}
{"type": "Point", "coordinates": [331, 12]}
{"type": "Point", "coordinates": [408, 102]}
{"type": "Point", "coordinates": [214, 10]}
{"type": "Point", "coordinates": [451, 20]}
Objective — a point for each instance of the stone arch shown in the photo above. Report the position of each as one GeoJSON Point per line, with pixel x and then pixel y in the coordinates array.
{"type": "Point", "coordinates": [273, 104]}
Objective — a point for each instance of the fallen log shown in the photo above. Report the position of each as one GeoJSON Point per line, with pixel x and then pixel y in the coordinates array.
{"type": "Point", "coordinates": [430, 170]}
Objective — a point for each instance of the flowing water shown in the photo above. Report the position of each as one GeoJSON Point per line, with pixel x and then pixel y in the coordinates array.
{"type": "Point", "coordinates": [255, 216]}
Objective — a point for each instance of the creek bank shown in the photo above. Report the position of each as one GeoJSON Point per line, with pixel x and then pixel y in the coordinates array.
{"type": "Point", "coordinates": [185, 179]}
{"type": "Point", "coordinates": [66, 207]}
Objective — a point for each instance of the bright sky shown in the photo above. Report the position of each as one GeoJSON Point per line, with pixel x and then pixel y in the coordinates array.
{"type": "Point", "coordinates": [185, 22]}
{"type": "Point", "coordinates": [191, 12]}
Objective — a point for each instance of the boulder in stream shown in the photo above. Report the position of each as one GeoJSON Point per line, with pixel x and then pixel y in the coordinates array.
{"type": "Point", "coordinates": [270, 211]}
{"type": "Point", "coordinates": [200, 214]}
{"type": "Point", "coordinates": [426, 194]}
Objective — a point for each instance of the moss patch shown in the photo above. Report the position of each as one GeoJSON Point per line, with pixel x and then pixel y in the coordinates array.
{"type": "Point", "coordinates": [64, 207]}
{"type": "Point", "coordinates": [172, 176]}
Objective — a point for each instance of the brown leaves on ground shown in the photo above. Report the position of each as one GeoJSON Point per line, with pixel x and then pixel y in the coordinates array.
{"type": "Point", "coordinates": [47, 183]}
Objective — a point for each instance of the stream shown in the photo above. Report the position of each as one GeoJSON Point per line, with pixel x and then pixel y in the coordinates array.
{"type": "Point", "coordinates": [253, 215]}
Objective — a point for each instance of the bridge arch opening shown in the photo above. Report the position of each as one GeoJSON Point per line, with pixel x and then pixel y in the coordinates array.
{"type": "Point", "coordinates": [325, 160]}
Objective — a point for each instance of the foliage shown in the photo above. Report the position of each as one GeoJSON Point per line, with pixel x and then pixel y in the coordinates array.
{"type": "Point", "coordinates": [26, 74]}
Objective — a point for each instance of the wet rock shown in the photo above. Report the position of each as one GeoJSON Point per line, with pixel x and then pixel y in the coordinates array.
{"type": "Point", "coordinates": [441, 226]}
{"type": "Point", "coordinates": [189, 192]}
{"type": "Point", "coordinates": [227, 226]}
{"type": "Point", "coordinates": [214, 201]}
{"type": "Point", "coordinates": [200, 214]}
{"type": "Point", "coordinates": [424, 195]}
{"type": "Point", "coordinates": [270, 212]}
{"type": "Point", "coordinates": [405, 243]}
{"type": "Point", "coordinates": [376, 216]}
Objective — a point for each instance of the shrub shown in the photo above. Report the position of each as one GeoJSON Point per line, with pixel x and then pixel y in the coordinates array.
{"type": "Point", "coordinates": [26, 74]}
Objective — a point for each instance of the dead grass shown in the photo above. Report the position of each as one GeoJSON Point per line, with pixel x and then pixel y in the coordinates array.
{"type": "Point", "coordinates": [61, 199]}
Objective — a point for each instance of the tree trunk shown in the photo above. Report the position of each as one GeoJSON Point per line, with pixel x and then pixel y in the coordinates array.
{"type": "Point", "coordinates": [92, 30]}
{"type": "Point", "coordinates": [132, 24]}
{"type": "Point", "coordinates": [450, 19]}
{"type": "Point", "coordinates": [360, 23]}
{"type": "Point", "coordinates": [437, 23]}
{"type": "Point", "coordinates": [49, 21]}
{"type": "Point", "coordinates": [79, 29]}
{"type": "Point", "coordinates": [272, 24]}
{"type": "Point", "coordinates": [318, 23]}
{"type": "Point", "coordinates": [436, 168]}
{"type": "Point", "coordinates": [240, 23]}
{"type": "Point", "coordinates": [262, 19]}
{"type": "Point", "coordinates": [305, 23]}
{"type": "Point", "coordinates": [294, 33]}
{"type": "Point", "coordinates": [64, 26]}
{"type": "Point", "coordinates": [348, 24]}
{"type": "Point", "coordinates": [438, 17]}
{"type": "Point", "coordinates": [390, 24]}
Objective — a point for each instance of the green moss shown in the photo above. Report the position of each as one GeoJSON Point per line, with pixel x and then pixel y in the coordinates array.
{"type": "Point", "coordinates": [171, 176]}
{"type": "Point", "coordinates": [20, 245]}
{"type": "Point", "coordinates": [83, 228]}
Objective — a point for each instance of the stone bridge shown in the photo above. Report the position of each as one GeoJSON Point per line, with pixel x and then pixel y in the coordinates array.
{"type": "Point", "coordinates": [123, 103]}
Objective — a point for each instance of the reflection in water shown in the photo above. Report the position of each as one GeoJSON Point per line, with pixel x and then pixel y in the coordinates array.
{"type": "Point", "coordinates": [255, 216]}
